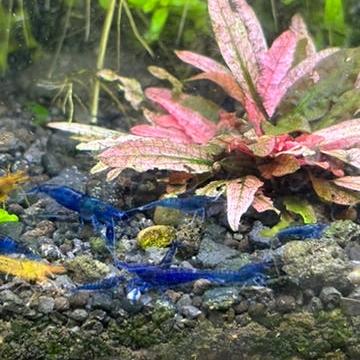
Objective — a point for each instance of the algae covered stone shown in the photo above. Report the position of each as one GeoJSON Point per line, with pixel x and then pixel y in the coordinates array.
{"type": "Point", "coordinates": [86, 268]}
{"type": "Point", "coordinates": [156, 236]}
{"type": "Point", "coordinates": [315, 264]}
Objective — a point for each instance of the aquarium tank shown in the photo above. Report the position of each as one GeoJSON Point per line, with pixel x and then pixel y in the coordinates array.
{"type": "Point", "coordinates": [180, 179]}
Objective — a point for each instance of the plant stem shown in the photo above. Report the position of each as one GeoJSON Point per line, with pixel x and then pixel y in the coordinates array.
{"type": "Point", "coordinates": [274, 14]}
{"type": "Point", "coordinates": [101, 58]}
{"type": "Point", "coordinates": [61, 40]}
{"type": "Point", "coordinates": [182, 22]}
{"type": "Point", "coordinates": [87, 19]}
{"type": "Point", "coordinates": [7, 34]}
{"type": "Point", "coordinates": [118, 34]}
{"type": "Point", "coordinates": [135, 30]}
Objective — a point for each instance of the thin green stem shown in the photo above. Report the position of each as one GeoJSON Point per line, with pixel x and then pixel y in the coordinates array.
{"type": "Point", "coordinates": [274, 14]}
{"type": "Point", "coordinates": [101, 59]}
{"type": "Point", "coordinates": [182, 22]}
{"type": "Point", "coordinates": [135, 29]}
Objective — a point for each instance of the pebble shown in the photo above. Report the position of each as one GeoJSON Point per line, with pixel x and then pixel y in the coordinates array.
{"type": "Point", "coordinates": [101, 300]}
{"type": "Point", "coordinates": [78, 315]}
{"type": "Point", "coordinates": [221, 298]}
{"type": "Point", "coordinates": [285, 303]}
{"type": "Point", "coordinates": [61, 303]}
{"type": "Point", "coordinates": [46, 304]}
{"type": "Point", "coordinates": [330, 297]}
{"type": "Point", "coordinates": [79, 299]}
{"type": "Point", "coordinates": [212, 253]}
{"type": "Point", "coordinates": [190, 311]}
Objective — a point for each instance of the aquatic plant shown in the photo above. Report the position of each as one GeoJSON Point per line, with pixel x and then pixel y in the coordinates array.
{"type": "Point", "coordinates": [291, 122]}
{"type": "Point", "coordinates": [28, 269]}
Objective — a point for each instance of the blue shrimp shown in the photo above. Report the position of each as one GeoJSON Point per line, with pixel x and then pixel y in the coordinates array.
{"type": "Point", "coordinates": [301, 232]}
{"type": "Point", "coordinates": [195, 204]}
{"type": "Point", "coordinates": [10, 246]}
{"type": "Point", "coordinates": [103, 284]}
{"type": "Point", "coordinates": [89, 208]}
{"type": "Point", "coordinates": [163, 276]}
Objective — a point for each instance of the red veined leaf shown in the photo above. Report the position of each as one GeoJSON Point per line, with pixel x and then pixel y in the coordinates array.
{"type": "Point", "coordinates": [240, 39]}
{"type": "Point", "coordinates": [329, 191]}
{"type": "Point", "coordinates": [263, 203]}
{"type": "Point", "coordinates": [196, 126]}
{"type": "Point", "coordinates": [351, 156]}
{"type": "Point", "coordinates": [151, 153]}
{"type": "Point", "coordinates": [255, 116]}
{"type": "Point", "coordinates": [305, 67]}
{"type": "Point", "coordinates": [240, 195]}
{"type": "Point", "coordinates": [280, 166]}
{"type": "Point", "coordinates": [201, 62]}
{"type": "Point", "coordinates": [344, 135]}
{"type": "Point", "coordinates": [225, 81]}
{"type": "Point", "coordinates": [163, 120]}
{"type": "Point", "coordinates": [172, 134]}
{"type": "Point", "coordinates": [348, 182]}
{"type": "Point", "coordinates": [275, 64]}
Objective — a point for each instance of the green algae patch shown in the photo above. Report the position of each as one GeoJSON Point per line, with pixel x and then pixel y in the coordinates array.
{"type": "Point", "coordinates": [156, 236]}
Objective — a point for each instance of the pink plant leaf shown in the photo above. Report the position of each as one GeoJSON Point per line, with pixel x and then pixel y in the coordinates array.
{"type": "Point", "coordinates": [240, 195]}
{"type": "Point", "coordinates": [332, 193]}
{"type": "Point", "coordinates": [263, 203]}
{"type": "Point", "coordinates": [153, 153]}
{"type": "Point", "coordinates": [201, 62]}
{"type": "Point", "coordinates": [226, 81]}
{"type": "Point", "coordinates": [348, 182]}
{"type": "Point", "coordinates": [255, 116]}
{"type": "Point", "coordinates": [305, 67]}
{"type": "Point", "coordinates": [163, 120]}
{"type": "Point", "coordinates": [344, 135]}
{"type": "Point", "coordinates": [240, 39]}
{"type": "Point", "coordinates": [299, 27]}
{"type": "Point", "coordinates": [275, 64]}
{"type": "Point", "coordinates": [172, 134]}
{"type": "Point", "coordinates": [195, 125]}
{"type": "Point", "coordinates": [351, 156]}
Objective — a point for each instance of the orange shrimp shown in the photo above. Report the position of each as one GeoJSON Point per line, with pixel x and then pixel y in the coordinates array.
{"type": "Point", "coordinates": [28, 269]}
{"type": "Point", "coordinates": [10, 182]}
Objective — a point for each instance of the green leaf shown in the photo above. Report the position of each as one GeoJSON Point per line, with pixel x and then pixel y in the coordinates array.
{"type": "Point", "coordinates": [301, 207]}
{"type": "Point", "coordinates": [334, 21]}
{"type": "Point", "coordinates": [285, 221]}
{"type": "Point", "coordinates": [336, 75]}
{"type": "Point", "coordinates": [205, 107]}
{"type": "Point", "coordinates": [6, 217]}
{"type": "Point", "coordinates": [344, 108]}
{"type": "Point", "coordinates": [158, 21]}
